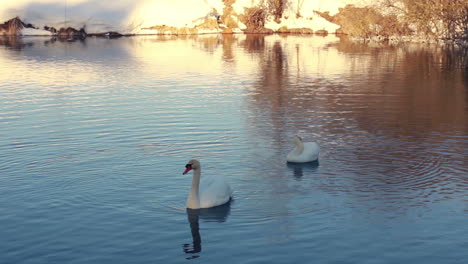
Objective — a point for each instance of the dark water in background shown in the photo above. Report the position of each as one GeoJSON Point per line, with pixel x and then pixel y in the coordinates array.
{"type": "Point", "coordinates": [94, 137]}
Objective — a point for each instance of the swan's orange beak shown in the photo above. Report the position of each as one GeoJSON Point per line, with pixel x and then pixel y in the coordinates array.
{"type": "Point", "coordinates": [188, 167]}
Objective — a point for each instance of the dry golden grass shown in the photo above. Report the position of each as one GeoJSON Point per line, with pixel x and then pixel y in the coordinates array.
{"type": "Point", "coordinates": [285, 29]}
{"type": "Point", "coordinates": [429, 18]}
{"type": "Point", "coordinates": [366, 22]}
{"type": "Point", "coordinates": [437, 18]}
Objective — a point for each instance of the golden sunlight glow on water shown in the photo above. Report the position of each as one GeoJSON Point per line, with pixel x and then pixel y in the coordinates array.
{"type": "Point", "coordinates": [169, 54]}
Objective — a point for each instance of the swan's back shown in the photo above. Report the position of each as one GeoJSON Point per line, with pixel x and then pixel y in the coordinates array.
{"type": "Point", "coordinates": [310, 153]}
{"type": "Point", "coordinates": [214, 191]}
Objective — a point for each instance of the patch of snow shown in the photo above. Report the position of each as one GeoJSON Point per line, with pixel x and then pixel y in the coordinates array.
{"type": "Point", "coordinates": [314, 22]}
{"type": "Point", "coordinates": [240, 5]}
{"type": "Point", "coordinates": [237, 30]}
{"type": "Point", "coordinates": [35, 32]}
{"type": "Point", "coordinates": [241, 25]}
{"type": "Point", "coordinates": [175, 13]}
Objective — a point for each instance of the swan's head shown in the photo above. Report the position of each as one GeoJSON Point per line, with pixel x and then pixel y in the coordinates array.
{"type": "Point", "coordinates": [297, 138]}
{"type": "Point", "coordinates": [191, 165]}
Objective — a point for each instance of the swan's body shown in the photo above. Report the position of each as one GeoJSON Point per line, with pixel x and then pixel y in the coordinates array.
{"type": "Point", "coordinates": [208, 191]}
{"type": "Point", "coordinates": [303, 152]}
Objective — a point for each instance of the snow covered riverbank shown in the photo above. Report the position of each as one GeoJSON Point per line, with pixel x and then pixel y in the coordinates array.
{"type": "Point", "coordinates": [142, 16]}
{"type": "Point", "coordinates": [361, 19]}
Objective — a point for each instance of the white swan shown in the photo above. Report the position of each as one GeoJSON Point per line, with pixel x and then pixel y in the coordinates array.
{"type": "Point", "coordinates": [303, 152]}
{"type": "Point", "coordinates": [209, 192]}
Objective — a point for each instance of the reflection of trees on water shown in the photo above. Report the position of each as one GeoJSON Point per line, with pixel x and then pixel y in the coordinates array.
{"type": "Point", "coordinates": [254, 43]}
{"type": "Point", "coordinates": [15, 43]}
{"type": "Point", "coordinates": [424, 83]}
{"type": "Point", "coordinates": [228, 42]}
{"type": "Point", "coordinates": [209, 43]}
{"type": "Point", "coordinates": [268, 95]}
{"type": "Point", "coordinates": [270, 88]}
{"type": "Point", "coordinates": [414, 109]}
{"type": "Point", "coordinates": [395, 112]}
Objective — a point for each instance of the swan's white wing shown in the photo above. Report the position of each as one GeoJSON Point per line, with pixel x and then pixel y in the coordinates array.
{"type": "Point", "coordinates": [311, 150]}
{"type": "Point", "coordinates": [310, 153]}
{"type": "Point", "coordinates": [214, 191]}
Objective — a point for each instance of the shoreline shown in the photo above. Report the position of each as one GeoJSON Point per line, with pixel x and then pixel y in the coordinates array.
{"type": "Point", "coordinates": [212, 24]}
{"type": "Point", "coordinates": [379, 40]}
{"type": "Point", "coordinates": [15, 28]}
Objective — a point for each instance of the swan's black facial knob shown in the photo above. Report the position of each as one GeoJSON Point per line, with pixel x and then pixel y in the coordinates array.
{"type": "Point", "coordinates": [188, 167]}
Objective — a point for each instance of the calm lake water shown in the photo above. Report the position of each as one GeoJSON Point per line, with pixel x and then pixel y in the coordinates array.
{"type": "Point", "coordinates": [94, 136]}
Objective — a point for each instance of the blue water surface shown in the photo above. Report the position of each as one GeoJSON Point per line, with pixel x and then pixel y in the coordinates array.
{"type": "Point", "coordinates": [95, 134]}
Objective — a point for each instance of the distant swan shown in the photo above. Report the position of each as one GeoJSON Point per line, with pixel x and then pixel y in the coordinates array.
{"type": "Point", "coordinates": [303, 152]}
{"type": "Point", "coordinates": [209, 192]}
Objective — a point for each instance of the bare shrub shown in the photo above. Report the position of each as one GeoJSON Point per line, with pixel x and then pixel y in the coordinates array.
{"type": "Point", "coordinates": [366, 22]}
{"type": "Point", "coordinates": [276, 8]}
{"type": "Point", "coordinates": [255, 18]}
{"type": "Point", "coordinates": [436, 18]}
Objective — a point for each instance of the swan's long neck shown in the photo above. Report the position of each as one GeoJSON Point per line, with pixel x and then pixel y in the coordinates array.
{"type": "Point", "coordinates": [193, 201]}
{"type": "Point", "coordinates": [299, 146]}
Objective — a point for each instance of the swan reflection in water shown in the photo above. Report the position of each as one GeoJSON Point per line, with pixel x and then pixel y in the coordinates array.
{"type": "Point", "coordinates": [214, 214]}
{"type": "Point", "coordinates": [300, 168]}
